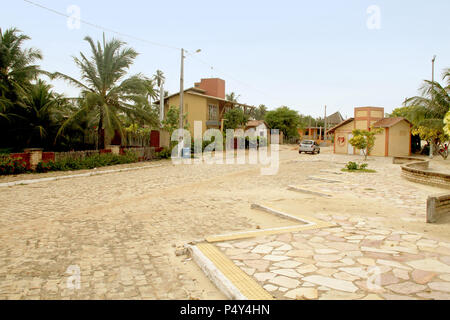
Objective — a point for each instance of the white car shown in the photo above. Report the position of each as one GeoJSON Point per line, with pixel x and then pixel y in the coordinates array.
{"type": "Point", "coordinates": [309, 146]}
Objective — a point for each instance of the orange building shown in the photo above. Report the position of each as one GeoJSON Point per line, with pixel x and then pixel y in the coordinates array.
{"type": "Point", "coordinates": [394, 139]}
{"type": "Point", "coordinates": [318, 133]}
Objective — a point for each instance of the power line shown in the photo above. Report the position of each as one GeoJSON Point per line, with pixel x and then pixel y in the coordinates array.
{"type": "Point", "coordinates": [101, 27]}
{"type": "Point", "coordinates": [264, 93]}
{"type": "Point", "coordinates": [145, 41]}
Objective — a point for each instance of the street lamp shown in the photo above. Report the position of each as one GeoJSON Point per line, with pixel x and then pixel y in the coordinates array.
{"type": "Point", "coordinates": [182, 95]}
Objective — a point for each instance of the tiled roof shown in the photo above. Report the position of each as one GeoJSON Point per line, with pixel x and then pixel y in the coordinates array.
{"type": "Point", "coordinates": [335, 118]}
{"type": "Point", "coordinates": [388, 122]}
{"type": "Point", "coordinates": [340, 125]}
{"type": "Point", "coordinates": [255, 123]}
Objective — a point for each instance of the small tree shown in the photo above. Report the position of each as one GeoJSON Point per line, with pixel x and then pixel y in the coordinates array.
{"type": "Point", "coordinates": [284, 119]}
{"type": "Point", "coordinates": [364, 140]}
{"type": "Point", "coordinates": [234, 119]}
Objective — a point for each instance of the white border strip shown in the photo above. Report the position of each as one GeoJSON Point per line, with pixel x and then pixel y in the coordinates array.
{"type": "Point", "coordinates": [323, 180]}
{"type": "Point", "coordinates": [283, 215]}
{"type": "Point", "coordinates": [89, 174]}
{"type": "Point", "coordinates": [305, 223]}
{"type": "Point", "coordinates": [315, 193]}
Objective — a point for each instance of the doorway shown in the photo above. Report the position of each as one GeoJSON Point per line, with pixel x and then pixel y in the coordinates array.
{"type": "Point", "coordinates": [351, 149]}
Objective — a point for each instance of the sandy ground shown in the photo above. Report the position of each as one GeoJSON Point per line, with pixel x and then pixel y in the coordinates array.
{"type": "Point", "coordinates": [123, 229]}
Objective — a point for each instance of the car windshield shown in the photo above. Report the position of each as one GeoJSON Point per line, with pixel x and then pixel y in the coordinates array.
{"type": "Point", "coordinates": [308, 142]}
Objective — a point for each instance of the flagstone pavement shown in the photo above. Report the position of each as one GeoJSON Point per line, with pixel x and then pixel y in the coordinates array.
{"type": "Point", "coordinates": [354, 260]}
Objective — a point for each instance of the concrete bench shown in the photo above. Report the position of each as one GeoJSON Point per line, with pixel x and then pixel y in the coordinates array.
{"type": "Point", "coordinates": [437, 207]}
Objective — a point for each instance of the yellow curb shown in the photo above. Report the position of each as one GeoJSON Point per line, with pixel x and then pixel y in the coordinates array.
{"type": "Point", "coordinates": [243, 282]}
{"type": "Point", "coordinates": [246, 285]}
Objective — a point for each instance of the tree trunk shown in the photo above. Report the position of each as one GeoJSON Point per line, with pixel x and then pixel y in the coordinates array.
{"type": "Point", "coordinates": [101, 132]}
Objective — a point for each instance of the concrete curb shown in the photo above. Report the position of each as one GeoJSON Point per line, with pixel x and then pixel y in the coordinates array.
{"type": "Point", "coordinates": [89, 174]}
{"type": "Point", "coordinates": [229, 278]}
{"type": "Point", "coordinates": [324, 180]}
{"type": "Point", "coordinates": [315, 193]}
{"type": "Point", "coordinates": [215, 275]}
{"type": "Point", "coordinates": [332, 172]}
{"type": "Point", "coordinates": [280, 214]}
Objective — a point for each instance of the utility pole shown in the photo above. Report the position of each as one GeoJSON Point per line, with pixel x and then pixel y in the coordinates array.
{"type": "Point", "coordinates": [325, 120]}
{"type": "Point", "coordinates": [182, 89]}
{"type": "Point", "coordinates": [181, 137]}
{"type": "Point", "coordinates": [161, 101]}
{"type": "Point", "coordinates": [432, 101]}
{"type": "Point", "coordinates": [309, 129]}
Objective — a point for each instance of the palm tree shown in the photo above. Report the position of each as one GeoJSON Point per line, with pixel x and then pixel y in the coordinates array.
{"type": "Point", "coordinates": [233, 97]}
{"type": "Point", "coordinates": [260, 112]}
{"type": "Point", "coordinates": [159, 77]}
{"type": "Point", "coordinates": [427, 111]}
{"type": "Point", "coordinates": [106, 90]}
{"type": "Point", "coordinates": [37, 122]}
{"type": "Point", "coordinates": [432, 105]}
{"type": "Point", "coordinates": [17, 69]}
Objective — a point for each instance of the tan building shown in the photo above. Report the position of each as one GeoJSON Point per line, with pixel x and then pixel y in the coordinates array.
{"type": "Point", "coordinates": [394, 139]}
{"type": "Point", "coordinates": [205, 103]}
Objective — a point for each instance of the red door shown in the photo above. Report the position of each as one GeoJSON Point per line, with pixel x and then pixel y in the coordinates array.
{"type": "Point", "coordinates": [154, 139]}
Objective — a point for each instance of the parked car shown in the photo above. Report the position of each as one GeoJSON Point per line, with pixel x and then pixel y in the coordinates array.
{"type": "Point", "coordinates": [309, 146]}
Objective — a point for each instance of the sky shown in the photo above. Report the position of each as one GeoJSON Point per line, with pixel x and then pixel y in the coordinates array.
{"type": "Point", "coordinates": [303, 54]}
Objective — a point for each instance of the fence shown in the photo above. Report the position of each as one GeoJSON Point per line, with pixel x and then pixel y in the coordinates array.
{"type": "Point", "coordinates": [33, 157]}
{"type": "Point", "coordinates": [143, 153]}
{"type": "Point", "coordinates": [74, 155]}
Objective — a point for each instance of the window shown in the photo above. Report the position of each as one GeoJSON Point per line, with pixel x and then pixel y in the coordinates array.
{"type": "Point", "coordinates": [213, 112]}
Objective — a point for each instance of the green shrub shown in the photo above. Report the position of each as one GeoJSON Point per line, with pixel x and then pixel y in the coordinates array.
{"type": "Point", "coordinates": [9, 165]}
{"type": "Point", "coordinates": [164, 154]}
{"type": "Point", "coordinates": [352, 166]}
{"type": "Point", "coordinates": [91, 162]}
{"type": "Point", "coordinates": [363, 166]}
{"type": "Point", "coordinates": [43, 167]}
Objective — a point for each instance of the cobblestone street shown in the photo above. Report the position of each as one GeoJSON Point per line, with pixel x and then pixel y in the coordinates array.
{"type": "Point", "coordinates": [123, 230]}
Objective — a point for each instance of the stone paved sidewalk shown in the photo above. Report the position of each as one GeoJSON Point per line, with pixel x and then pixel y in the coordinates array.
{"type": "Point", "coordinates": [355, 260]}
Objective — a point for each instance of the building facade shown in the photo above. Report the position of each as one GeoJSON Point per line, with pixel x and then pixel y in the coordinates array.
{"type": "Point", "coordinates": [394, 139]}
{"type": "Point", "coordinates": [205, 103]}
